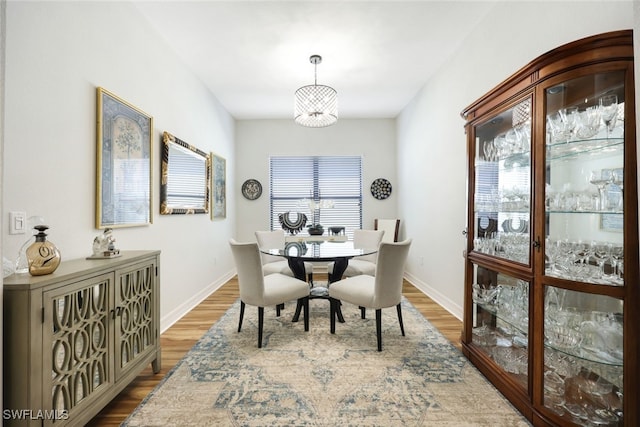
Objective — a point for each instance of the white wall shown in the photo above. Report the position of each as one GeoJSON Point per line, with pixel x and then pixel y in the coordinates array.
{"type": "Point", "coordinates": [257, 140]}
{"type": "Point", "coordinates": [431, 139]}
{"type": "Point", "coordinates": [57, 53]}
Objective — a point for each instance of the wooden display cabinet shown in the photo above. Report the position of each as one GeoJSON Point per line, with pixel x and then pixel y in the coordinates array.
{"type": "Point", "coordinates": [551, 312]}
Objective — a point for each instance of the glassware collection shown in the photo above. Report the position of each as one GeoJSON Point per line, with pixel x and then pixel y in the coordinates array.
{"type": "Point", "coordinates": [585, 261]}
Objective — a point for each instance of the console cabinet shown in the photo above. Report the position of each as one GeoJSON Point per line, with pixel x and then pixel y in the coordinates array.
{"type": "Point", "coordinates": [552, 296]}
{"type": "Point", "coordinates": [75, 338]}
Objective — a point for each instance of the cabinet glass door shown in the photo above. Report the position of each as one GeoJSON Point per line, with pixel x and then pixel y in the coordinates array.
{"type": "Point", "coordinates": [584, 212]}
{"type": "Point", "coordinates": [584, 179]}
{"type": "Point", "coordinates": [501, 321]}
{"type": "Point", "coordinates": [503, 184]}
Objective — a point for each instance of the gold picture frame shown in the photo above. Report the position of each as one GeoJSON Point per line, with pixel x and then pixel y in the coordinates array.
{"type": "Point", "coordinates": [219, 198]}
{"type": "Point", "coordinates": [124, 158]}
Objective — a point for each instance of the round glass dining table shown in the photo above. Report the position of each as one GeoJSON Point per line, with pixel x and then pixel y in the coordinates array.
{"type": "Point", "coordinates": [297, 253]}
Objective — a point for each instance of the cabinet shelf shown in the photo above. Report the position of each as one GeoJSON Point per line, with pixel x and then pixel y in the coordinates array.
{"type": "Point", "coordinates": [588, 147]}
{"type": "Point", "coordinates": [510, 321]}
{"type": "Point", "coordinates": [594, 356]}
{"type": "Point", "coordinates": [583, 212]}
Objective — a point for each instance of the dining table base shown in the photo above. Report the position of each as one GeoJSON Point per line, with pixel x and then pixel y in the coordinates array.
{"type": "Point", "coordinates": [339, 266]}
{"type": "Point", "coordinates": [318, 292]}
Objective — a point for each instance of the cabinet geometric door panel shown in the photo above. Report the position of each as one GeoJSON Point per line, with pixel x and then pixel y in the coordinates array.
{"type": "Point", "coordinates": [76, 361]}
{"type": "Point", "coordinates": [136, 331]}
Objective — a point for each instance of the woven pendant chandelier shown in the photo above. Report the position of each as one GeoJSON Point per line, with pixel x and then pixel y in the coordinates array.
{"type": "Point", "coordinates": [316, 105]}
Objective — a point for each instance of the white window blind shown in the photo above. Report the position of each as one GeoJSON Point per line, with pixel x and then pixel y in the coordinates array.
{"type": "Point", "coordinates": [187, 169]}
{"type": "Point", "coordinates": [324, 180]}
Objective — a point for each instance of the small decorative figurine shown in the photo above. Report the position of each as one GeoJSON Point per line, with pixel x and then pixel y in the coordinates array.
{"type": "Point", "coordinates": [104, 245]}
{"type": "Point", "coordinates": [42, 255]}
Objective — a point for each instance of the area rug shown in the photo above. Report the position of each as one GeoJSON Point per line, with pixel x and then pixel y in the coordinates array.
{"type": "Point", "coordinates": [318, 379]}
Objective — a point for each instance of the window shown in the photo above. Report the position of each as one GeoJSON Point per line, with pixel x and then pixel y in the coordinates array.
{"type": "Point", "coordinates": [299, 183]}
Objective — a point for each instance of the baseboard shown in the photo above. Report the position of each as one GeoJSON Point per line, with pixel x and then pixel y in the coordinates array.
{"type": "Point", "coordinates": [176, 314]}
{"type": "Point", "coordinates": [442, 300]}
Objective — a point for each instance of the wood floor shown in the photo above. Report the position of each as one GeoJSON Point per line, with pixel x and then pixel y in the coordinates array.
{"type": "Point", "coordinates": [180, 337]}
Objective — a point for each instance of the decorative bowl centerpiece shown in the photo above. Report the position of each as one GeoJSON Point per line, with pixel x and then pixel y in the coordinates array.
{"type": "Point", "coordinates": [316, 229]}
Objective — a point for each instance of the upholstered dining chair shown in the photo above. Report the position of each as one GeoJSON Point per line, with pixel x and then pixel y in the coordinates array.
{"type": "Point", "coordinates": [380, 291]}
{"type": "Point", "coordinates": [259, 290]}
{"type": "Point", "coordinates": [391, 228]}
{"type": "Point", "coordinates": [275, 264]}
{"type": "Point", "coordinates": [363, 264]}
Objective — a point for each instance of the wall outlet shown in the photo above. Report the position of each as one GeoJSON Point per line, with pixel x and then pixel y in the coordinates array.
{"type": "Point", "coordinates": [17, 222]}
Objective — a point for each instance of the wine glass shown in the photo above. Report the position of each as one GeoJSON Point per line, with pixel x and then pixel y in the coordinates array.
{"type": "Point", "coordinates": [609, 110]}
{"type": "Point", "coordinates": [582, 251]}
{"type": "Point", "coordinates": [601, 178]}
{"type": "Point", "coordinates": [601, 252]}
{"type": "Point", "coordinates": [617, 260]}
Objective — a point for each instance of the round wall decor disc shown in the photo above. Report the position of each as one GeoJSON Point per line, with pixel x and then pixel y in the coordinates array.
{"type": "Point", "coordinates": [381, 189]}
{"type": "Point", "coordinates": [251, 189]}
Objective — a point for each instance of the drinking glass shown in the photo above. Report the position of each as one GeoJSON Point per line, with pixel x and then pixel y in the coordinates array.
{"type": "Point", "coordinates": [557, 126]}
{"type": "Point", "coordinates": [617, 178]}
{"type": "Point", "coordinates": [489, 150]}
{"type": "Point", "coordinates": [609, 110]}
{"type": "Point", "coordinates": [601, 178]}
{"type": "Point", "coordinates": [570, 118]}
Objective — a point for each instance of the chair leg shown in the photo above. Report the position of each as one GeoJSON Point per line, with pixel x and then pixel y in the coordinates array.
{"type": "Point", "coordinates": [310, 278]}
{"type": "Point", "coordinates": [399, 308]}
{"type": "Point", "coordinates": [260, 325]}
{"type": "Point", "coordinates": [379, 328]}
{"type": "Point", "coordinates": [296, 315]}
{"type": "Point", "coordinates": [279, 307]}
{"type": "Point", "coordinates": [305, 302]}
{"type": "Point", "coordinates": [332, 313]}
{"type": "Point", "coordinates": [241, 315]}
{"type": "Point", "coordinates": [363, 312]}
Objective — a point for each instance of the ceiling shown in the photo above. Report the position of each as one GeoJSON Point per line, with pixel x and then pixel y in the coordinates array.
{"type": "Point", "coordinates": [253, 55]}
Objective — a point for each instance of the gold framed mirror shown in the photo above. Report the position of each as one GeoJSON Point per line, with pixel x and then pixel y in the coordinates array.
{"type": "Point", "coordinates": [186, 175]}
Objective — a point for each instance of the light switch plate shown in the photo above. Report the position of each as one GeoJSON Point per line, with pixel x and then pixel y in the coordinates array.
{"type": "Point", "coordinates": [17, 222]}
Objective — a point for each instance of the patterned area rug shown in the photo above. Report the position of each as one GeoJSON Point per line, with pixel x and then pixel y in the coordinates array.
{"type": "Point", "coordinates": [319, 379]}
